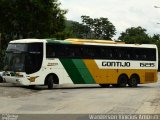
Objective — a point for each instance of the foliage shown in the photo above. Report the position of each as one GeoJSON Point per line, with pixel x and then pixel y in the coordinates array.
{"type": "Point", "coordinates": [100, 28]}
{"type": "Point", "coordinates": [135, 35]}
{"type": "Point", "coordinates": [30, 19]}
{"type": "Point", "coordinates": [76, 30]}
{"type": "Point", "coordinates": [2, 53]}
{"type": "Point", "coordinates": [21, 19]}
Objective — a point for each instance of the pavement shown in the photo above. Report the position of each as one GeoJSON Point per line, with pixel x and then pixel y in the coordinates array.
{"type": "Point", "coordinates": [80, 99]}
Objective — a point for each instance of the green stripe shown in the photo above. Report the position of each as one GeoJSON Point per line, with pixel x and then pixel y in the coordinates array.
{"type": "Point", "coordinates": [83, 70]}
{"type": "Point", "coordinates": [72, 71]}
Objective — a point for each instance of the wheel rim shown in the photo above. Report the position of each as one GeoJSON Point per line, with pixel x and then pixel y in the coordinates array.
{"type": "Point", "coordinates": [134, 81]}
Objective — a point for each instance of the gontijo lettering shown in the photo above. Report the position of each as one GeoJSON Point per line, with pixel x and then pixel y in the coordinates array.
{"type": "Point", "coordinates": [116, 64]}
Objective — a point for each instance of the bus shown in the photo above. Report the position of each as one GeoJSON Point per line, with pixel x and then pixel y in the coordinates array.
{"type": "Point", "coordinates": [32, 62]}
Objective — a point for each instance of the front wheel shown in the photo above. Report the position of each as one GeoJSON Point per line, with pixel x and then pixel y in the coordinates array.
{"type": "Point", "coordinates": [32, 86]}
{"type": "Point", "coordinates": [50, 82]}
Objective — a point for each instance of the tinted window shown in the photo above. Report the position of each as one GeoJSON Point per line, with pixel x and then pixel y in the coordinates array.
{"type": "Point", "coordinates": [28, 58]}
{"type": "Point", "coordinates": [99, 52]}
{"type": "Point", "coordinates": [34, 57]}
{"type": "Point", "coordinates": [50, 52]}
{"type": "Point", "coordinates": [17, 47]}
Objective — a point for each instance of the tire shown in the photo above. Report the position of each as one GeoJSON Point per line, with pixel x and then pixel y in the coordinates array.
{"type": "Point", "coordinates": [32, 86]}
{"type": "Point", "coordinates": [122, 81]}
{"type": "Point", "coordinates": [104, 85]}
{"type": "Point", "coordinates": [133, 81]}
{"type": "Point", "coordinates": [50, 82]}
{"type": "Point", "coordinates": [1, 79]}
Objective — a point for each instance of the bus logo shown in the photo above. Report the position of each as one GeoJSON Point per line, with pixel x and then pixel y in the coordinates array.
{"type": "Point", "coordinates": [116, 64]}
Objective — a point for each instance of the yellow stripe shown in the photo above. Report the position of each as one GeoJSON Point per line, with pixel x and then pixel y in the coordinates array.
{"type": "Point", "coordinates": [99, 75]}
{"type": "Point", "coordinates": [110, 76]}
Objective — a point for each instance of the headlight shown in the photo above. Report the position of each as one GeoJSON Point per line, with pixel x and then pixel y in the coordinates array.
{"type": "Point", "coordinates": [19, 75]}
{"type": "Point", "coordinates": [32, 79]}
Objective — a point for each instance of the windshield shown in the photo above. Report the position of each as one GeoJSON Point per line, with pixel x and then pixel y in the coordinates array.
{"type": "Point", "coordinates": [15, 62]}
{"type": "Point", "coordinates": [24, 57]}
{"type": "Point", "coordinates": [17, 47]}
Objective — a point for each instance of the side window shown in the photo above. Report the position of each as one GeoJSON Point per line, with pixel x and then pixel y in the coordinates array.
{"type": "Point", "coordinates": [107, 52]}
{"type": "Point", "coordinates": [61, 51]}
{"type": "Point", "coordinates": [135, 54]}
{"type": "Point", "coordinates": [144, 54]}
{"type": "Point", "coordinates": [151, 54]}
{"type": "Point", "coordinates": [71, 51]}
{"type": "Point", "coordinates": [34, 57]}
{"type": "Point", "coordinates": [50, 51]}
{"type": "Point", "coordinates": [87, 52]}
{"type": "Point", "coordinates": [127, 54]}
{"type": "Point", "coordinates": [97, 52]}
{"type": "Point", "coordinates": [78, 51]}
{"type": "Point", "coordinates": [120, 53]}
{"type": "Point", "coordinates": [111, 53]}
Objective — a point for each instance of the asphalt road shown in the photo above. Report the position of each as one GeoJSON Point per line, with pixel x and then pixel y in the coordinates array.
{"type": "Point", "coordinates": [80, 99]}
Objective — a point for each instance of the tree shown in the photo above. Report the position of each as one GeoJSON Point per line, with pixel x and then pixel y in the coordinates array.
{"type": "Point", "coordinates": [30, 19]}
{"type": "Point", "coordinates": [100, 28]}
{"type": "Point", "coordinates": [156, 40]}
{"type": "Point", "coordinates": [2, 53]}
{"type": "Point", "coordinates": [135, 35]}
{"type": "Point", "coordinates": [21, 19]}
{"type": "Point", "coordinates": [76, 30]}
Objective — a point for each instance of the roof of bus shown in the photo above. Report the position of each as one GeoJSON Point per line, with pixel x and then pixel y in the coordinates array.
{"type": "Point", "coordinates": [84, 42]}
{"type": "Point", "coordinates": [28, 40]}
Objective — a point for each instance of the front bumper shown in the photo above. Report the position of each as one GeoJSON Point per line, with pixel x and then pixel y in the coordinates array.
{"type": "Point", "coordinates": [16, 80]}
